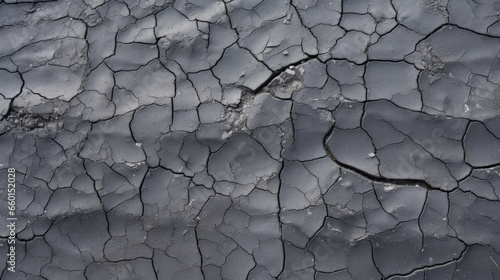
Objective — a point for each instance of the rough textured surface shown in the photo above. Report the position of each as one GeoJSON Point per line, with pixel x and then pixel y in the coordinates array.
{"type": "Point", "coordinates": [267, 139]}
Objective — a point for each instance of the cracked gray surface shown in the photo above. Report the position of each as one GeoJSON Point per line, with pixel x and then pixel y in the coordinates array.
{"type": "Point", "coordinates": [262, 139]}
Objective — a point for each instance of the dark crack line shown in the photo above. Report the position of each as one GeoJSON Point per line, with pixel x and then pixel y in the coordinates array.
{"type": "Point", "coordinates": [376, 179]}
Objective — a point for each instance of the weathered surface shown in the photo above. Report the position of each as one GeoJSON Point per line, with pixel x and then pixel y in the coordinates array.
{"type": "Point", "coordinates": [209, 139]}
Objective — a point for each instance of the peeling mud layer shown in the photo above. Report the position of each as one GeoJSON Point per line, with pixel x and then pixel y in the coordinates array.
{"type": "Point", "coordinates": [242, 139]}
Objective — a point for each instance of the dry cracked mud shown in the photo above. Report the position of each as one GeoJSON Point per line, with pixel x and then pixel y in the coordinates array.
{"type": "Point", "coordinates": [243, 139]}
